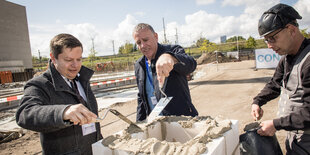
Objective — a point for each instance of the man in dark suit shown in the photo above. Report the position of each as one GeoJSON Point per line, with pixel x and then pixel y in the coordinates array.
{"type": "Point", "coordinates": [60, 103]}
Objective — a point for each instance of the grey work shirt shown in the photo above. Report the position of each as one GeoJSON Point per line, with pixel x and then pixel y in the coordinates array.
{"type": "Point", "coordinates": [272, 90]}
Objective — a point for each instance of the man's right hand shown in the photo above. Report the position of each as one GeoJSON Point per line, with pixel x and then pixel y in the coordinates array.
{"type": "Point", "coordinates": [79, 114]}
{"type": "Point", "coordinates": [164, 66]}
{"type": "Point", "coordinates": [257, 112]}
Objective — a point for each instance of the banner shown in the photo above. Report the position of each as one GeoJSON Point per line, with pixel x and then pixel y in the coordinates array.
{"type": "Point", "coordinates": [266, 58]}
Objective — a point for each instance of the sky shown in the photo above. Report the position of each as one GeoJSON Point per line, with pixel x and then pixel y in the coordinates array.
{"type": "Point", "coordinates": [104, 22]}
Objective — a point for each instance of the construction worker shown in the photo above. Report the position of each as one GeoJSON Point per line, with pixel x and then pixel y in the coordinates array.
{"type": "Point", "coordinates": [291, 80]}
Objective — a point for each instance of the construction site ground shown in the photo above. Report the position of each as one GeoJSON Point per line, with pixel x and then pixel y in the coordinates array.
{"type": "Point", "coordinates": [225, 89]}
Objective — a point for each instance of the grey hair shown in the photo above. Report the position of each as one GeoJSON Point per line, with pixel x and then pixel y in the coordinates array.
{"type": "Point", "coordinates": [141, 26]}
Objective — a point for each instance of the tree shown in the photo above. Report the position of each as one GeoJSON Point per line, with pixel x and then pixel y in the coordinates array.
{"type": "Point", "coordinates": [208, 46]}
{"type": "Point", "coordinates": [92, 54]}
{"type": "Point", "coordinates": [234, 39]}
{"type": "Point", "coordinates": [200, 41]}
{"type": "Point", "coordinates": [127, 48]}
{"type": "Point", "coordinates": [135, 48]}
{"type": "Point", "coordinates": [304, 33]}
{"type": "Point", "coordinates": [36, 59]}
{"type": "Point", "coordinates": [251, 43]}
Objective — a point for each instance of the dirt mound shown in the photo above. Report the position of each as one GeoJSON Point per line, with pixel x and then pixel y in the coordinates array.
{"type": "Point", "coordinates": [213, 57]}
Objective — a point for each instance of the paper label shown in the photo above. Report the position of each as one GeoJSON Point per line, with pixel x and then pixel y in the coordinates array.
{"type": "Point", "coordinates": [88, 128]}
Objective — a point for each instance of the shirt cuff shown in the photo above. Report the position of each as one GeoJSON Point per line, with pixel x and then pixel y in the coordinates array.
{"type": "Point", "coordinates": [65, 122]}
{"type": "Point", "coordinates": [276, 123]}
{"type": "Point", "coordinates": [258, 103]}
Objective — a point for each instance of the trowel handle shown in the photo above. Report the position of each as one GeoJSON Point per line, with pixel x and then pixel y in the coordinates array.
{"type": "Point", "coordinates": [163, 87]}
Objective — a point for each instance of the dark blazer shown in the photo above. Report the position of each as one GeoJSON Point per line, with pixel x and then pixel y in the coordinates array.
{"type": "Point", "coordinates": [177, 85]}
{"type": "Point", "coordinates": [42, 106]}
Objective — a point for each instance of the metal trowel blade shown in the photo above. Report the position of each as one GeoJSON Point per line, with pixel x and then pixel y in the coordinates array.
{"type": "Point", "coordinates": [122, 117]}
{"type": "Point", "coordinates": [160, 106]}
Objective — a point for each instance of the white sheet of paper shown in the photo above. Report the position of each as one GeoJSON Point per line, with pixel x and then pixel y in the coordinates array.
{"type": "Point", "coordinates": [154, 100]}
{"type": "Point", "coordinates": [88, 128]}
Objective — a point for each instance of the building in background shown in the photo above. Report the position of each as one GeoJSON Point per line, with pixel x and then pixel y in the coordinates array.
{"type": "Point", "coordinates": [223, 39]}
{"type": "Point", "coordinates": [15, 51]}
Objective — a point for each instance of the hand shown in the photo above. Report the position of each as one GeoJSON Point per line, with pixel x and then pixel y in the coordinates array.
{"type": "Point", "coordinates": [267, 128]}
{"type": "Point", "coordinates": [164, 65]}
{"type": "Point", "coordinates": [257, 112]}
{"type": "Point", "coordinates": [79, 114]}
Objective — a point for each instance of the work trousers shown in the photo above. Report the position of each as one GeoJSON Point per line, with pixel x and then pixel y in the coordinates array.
{"type": "Point", "coordinates": [297, 143]}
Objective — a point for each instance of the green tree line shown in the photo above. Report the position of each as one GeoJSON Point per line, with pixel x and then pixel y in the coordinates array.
{"type": "Point", "coordinates": [129, 52]}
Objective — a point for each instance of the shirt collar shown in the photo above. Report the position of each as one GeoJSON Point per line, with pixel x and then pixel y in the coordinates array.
{"type": "Point", "coordinates": [68, 80]}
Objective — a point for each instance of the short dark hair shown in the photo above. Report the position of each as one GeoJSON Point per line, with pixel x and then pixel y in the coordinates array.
{"type": "Point", "coordinates": [141, 26]}
{"type": "Point", "coordinates": [61, 41]}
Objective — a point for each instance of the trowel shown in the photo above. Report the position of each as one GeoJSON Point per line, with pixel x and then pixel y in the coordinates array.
{"type": "Point", "coordinates": [162, 103]}
{"type": "Point", "coordinates": [121, 116]}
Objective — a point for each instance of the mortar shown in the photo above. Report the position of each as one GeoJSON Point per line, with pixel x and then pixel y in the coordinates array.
{"type": "Point", "coordinates": [174, 135]}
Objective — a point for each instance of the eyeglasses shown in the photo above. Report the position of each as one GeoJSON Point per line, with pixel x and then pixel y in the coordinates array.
{"type": "Point", "coordinates": [271, 39]}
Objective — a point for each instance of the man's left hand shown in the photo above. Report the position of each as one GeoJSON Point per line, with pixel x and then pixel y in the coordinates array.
{"type": "Point", "coordinates": [164, 65]}
{"type": "Point", "coordinates": [267, 128]}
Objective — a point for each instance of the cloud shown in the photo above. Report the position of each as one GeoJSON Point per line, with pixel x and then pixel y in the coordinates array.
{"type": "Point", "coordinates": [123, 33]}
{"type": "Point", "coordinates": [58, 21]}
{"type": "Point", "coordinates": [204, 2]}
{"type": "Point", "coordinates": [40, 44]}
{"type": "Point", "coordinates": [303, 8]}
{"type": "Point", "coordinates": [103, 41]}
{"type": "Point", "coordinates": [212, 26]}
{"type": "Point", "coordinates": [249, 3]}
{"type": "Point", "coordinates": [233, 3]}
{"type": "Point", "coordinates": [124, 30]}
{"type": "Point", "coordinates": [82, 31]}
{"type": "Point", "coordinates": [141, 14]}
{"type": "Point", "coordinates": [201, 24]}
{"type": "Point", "coordinates": [197, 24]}
{"type": "Point", "coordinates": [87, 33]}
{"type": "Point", "coordinates": [40, 36]}
{"type": "Point", "coordinates": [255, 8]}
